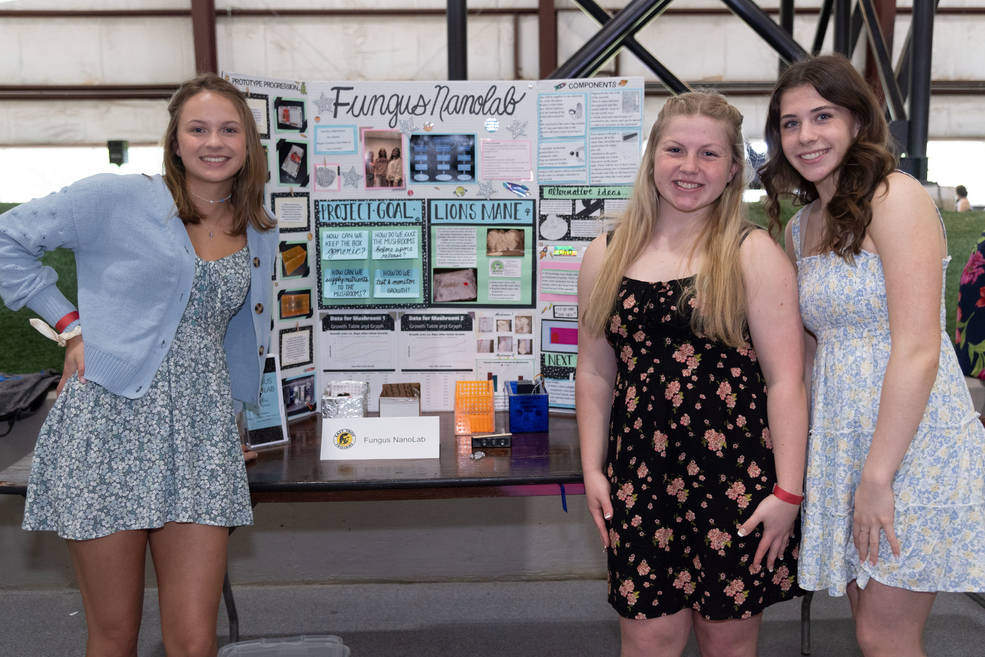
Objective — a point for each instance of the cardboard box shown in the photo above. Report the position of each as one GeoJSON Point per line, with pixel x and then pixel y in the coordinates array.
{"type": "Point", "coordinates": [400, 400]}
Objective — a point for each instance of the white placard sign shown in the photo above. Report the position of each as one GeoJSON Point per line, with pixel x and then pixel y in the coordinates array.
{"type": "Point", "coordinates": [345, 439]}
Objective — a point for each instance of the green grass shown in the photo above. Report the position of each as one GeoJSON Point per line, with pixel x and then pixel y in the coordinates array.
{"type": "Point", "coordinates": [963, 231]}
{"type": "Point", "coordinates": [24, 350]}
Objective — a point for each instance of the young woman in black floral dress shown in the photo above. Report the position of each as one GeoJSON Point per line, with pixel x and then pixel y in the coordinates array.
{"type": "Point", "coordinates": [692, 475]}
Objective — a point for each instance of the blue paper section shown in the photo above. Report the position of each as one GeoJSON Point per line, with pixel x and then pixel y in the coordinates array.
{"type": "Point", "coordinates": [268, 414]}
{"type": "Point", "coordinates": [403, 283]}
{"type": "Point", "coordinates": [373, 211]}
{"type": "Point", "coordinates": [344, 244]}
{"type": "Point", "coordinates": [346, 283]}
{"type": "Point", "coordinates": [520, 212]}
{"type": "Point", "coordinates": [396, 244]}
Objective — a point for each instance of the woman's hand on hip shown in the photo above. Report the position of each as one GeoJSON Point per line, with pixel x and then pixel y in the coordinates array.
{"type": "Point", "coordinates": [74, 363]}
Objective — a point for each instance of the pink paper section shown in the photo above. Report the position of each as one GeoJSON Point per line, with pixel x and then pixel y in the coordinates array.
{"type": "Point", "coordinates": [568, 266]}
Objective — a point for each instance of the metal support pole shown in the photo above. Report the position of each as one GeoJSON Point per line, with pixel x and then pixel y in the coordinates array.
{"type": "Point", "coordinates": [668, 79]}
{"type": "Point", "coordinates": [822, 26]}
{"type": "Point", "coordinates": [903, 75]}
{"type": "Point", "coordinates": [786, 24]}
{"type": "Point", "coordinates": [597, 50]}
{"type": "Point", "coordinates": [203, 36]}
{"type": "Point", "coordinates": [458, 62]}
{"type": "Point", "coordinates": [547, 31]}
{"type": "Point", "coordinates": [764, 26]}
{"type": "Point", "coordinates": [884, 66]}
{"type": "Point", "coordinates": [915, 162]}
{"type": "Point", "coordinates": [854, 30]}
{"type": "Point", "coordinates": [843, 23]}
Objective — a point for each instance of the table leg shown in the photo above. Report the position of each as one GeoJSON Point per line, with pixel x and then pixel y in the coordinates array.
{"type": "Point", "coordinates": [978, 598]}
{"type": "Point", "coordinates": [227, 596]}
{"type": "Point", "coordinates": [805, 623]}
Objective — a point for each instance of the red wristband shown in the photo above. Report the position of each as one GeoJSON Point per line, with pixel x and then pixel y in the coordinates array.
{"type": "Point", "coordinates": [785, 496]}
{"type": "Point", "coordinates": [66, 320]}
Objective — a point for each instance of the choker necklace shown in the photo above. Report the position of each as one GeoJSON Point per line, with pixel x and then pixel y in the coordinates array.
{"type": "Point", "coordinates": [210, 201]}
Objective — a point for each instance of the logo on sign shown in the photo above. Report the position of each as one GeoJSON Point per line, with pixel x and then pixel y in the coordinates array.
{"type": "Point", "coordinates": [344, 439]}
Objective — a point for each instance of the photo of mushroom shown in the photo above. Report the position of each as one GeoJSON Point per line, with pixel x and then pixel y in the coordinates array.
{"type": "Point", "coordinates": [454, 285]}
{"type": "Point", "coordinates": [504, 242]}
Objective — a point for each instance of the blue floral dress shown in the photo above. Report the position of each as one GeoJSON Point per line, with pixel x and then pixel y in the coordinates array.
{"type": "Point", "coordinates": [940, 485]}
{"type": "Point", "coordinates": [689, 459]}
{"type": "Point", "coordinates": [105, 463]}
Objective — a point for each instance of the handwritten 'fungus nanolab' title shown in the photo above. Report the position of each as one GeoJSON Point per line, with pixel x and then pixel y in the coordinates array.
{"type": "Point", "coordinates": [442, 104]}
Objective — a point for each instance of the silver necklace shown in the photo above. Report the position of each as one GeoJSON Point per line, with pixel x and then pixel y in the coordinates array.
{"type": "Point", "coordinates": [211, 234]}
{"type": "Point", "coordinates": [210, 201]}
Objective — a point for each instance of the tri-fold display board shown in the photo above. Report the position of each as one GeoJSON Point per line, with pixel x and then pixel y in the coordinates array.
{"type": "Point", "coordinates": [432, 231]}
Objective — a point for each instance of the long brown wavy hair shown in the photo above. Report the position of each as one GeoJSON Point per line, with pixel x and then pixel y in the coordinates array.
{"type": "Point", "coordinates": [866, 164]}
{"type": "Point", "coordinates": [247, 190]}
{"type": "Point", "coordinates": [718, 285]}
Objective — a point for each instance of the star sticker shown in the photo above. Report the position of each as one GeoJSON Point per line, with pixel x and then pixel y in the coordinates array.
{"type": "Point", "coordinates": [486, 189]}
{"type": "Point", "coordinates": [407, 127]}
{"type": "Point", "coordinates": [324, 103]}
{"type": "Point", "coordinates": [351, 178]}
{"type": "Point", "coordinates": [517, 128]}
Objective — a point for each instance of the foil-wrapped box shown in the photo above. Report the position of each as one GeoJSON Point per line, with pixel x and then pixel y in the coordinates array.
{"type": "Point", "coordinates": [345, 399]}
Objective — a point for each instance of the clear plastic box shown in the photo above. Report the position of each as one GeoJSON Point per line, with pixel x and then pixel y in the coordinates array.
{"type": "Point", "coordinates": [294, 646]}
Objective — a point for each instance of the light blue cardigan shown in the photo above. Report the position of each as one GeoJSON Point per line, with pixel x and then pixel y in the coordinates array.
{"type": "Point", "coordinates": [135, 265]}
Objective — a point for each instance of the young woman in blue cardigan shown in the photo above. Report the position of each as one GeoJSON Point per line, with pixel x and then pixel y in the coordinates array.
{"type": "Point", "coordinates": [140, 449]}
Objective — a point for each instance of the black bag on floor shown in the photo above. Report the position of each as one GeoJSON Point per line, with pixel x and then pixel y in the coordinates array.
{"type": "Point", "coordinates": [22, 395]}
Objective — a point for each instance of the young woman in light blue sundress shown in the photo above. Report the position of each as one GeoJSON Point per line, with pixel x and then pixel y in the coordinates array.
{"type": "Point", "coordinates": [140, 450]}
{"type": "Point", "coordinates": [895, 489]}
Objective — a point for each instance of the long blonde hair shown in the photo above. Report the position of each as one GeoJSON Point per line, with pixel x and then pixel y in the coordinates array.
{"type": "Point", "coordinates": [247, 191]}
{"type": "Point", "coordinates": [720, 309]}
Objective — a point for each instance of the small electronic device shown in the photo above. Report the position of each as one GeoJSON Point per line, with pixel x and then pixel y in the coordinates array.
{"type": "Point", "coordinates": [492, 440]}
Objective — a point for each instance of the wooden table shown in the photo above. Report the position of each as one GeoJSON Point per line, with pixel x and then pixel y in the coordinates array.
{"type": "Point", "coordinates": [536, 464]}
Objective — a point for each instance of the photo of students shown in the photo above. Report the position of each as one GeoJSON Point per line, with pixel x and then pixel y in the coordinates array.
{"type": "Point", "coordinates": [382, 158]}
{"type": "Point", "coordinates": [395, 169]}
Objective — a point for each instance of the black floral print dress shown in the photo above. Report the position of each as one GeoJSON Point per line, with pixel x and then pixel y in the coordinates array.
{"type": "Point", "coordinates": [689, 459]}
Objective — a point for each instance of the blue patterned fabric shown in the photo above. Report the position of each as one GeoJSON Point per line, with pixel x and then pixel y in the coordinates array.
{"type": "Point", "coordinates": [940, 485]}
{"type": "Point", "coordinates": [969, 331]}
{"type": "Point", "coordinates": [106, 463]}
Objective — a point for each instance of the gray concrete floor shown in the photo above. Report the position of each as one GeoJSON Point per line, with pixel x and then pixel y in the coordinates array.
{"type": "Point", "coordinates": [519, 619]}
{"type": "Point", "coordinates": [480, 619]}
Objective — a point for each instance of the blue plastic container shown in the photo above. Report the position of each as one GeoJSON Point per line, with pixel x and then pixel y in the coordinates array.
{"type": "Point", "coordinates": [528, 412]}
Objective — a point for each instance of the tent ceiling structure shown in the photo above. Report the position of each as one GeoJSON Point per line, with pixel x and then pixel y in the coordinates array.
{"type": "Point", "coordinates": [86, 72]}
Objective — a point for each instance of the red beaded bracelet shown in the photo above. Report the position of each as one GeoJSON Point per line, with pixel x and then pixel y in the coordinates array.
{"type": "Point", "coordinates": [786, 496]}
{"type": "Point", "coordinates": [66, 320]}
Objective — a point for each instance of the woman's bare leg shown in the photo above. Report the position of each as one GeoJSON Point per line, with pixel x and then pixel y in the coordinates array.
{"type": "Point", "coordinates": [190, 561]}
{"type": "Point", "coordinates": [111, 579]}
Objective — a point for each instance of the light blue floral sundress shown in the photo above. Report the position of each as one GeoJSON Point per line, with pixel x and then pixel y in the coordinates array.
{"type": "Point", "coordinates": [940, 485]}
{"type": "Point", "coordinates": [105, 463]}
